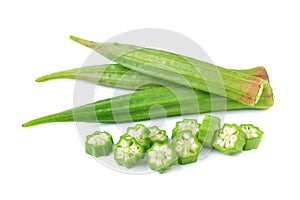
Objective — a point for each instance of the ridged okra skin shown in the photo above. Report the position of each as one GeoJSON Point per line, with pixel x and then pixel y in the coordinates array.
{"type": "Point", "coordinates": [135, 107]}
{"type": "Point", "coordinates": [115, 75]}
{"type": "Point", "coordinates": [182, 70]}
{"type": "Point", "coordinates": [230, 139]}
{"type": "Point", "coordinates": [253, 136]}
{"type": "Point", "coordinates": [161, 157]}
{"type": "Point", "coordinates": [99, 144]}
{"type": "Point", "coordinates": [187, 147]}
{"type": "Point", "coordinates": [209, 126]}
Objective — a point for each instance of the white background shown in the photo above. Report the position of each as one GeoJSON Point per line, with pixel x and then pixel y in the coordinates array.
{"type": "Point", "coordinates": [48, 161]}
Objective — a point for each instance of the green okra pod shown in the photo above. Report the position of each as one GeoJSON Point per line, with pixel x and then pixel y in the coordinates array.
{"type": "Point", "coordinates": [135, 106]}
{"type": "Point", "coordinates": [116, 75]}
{"type": "Point", "coordinates": [182, 70]}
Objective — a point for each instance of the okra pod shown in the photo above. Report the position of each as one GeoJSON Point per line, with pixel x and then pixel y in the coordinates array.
{"type": "Point", "coordinates": [135, 107]}
{"type": "Point", "coordinates": [116, 75]}
{"type": "Point", "coordinates": [113, 75]}
{"type": "Point", "coordinates": [182, 70]}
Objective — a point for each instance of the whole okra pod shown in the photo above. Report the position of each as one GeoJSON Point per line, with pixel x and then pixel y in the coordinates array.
{"type": "Point", "coordinates": [182, 70]}
{"type": "Point", "coordinates": [135, 106]}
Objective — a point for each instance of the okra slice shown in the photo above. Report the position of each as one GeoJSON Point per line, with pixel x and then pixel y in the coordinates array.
{"type": "Point", "coordinates": [253, 136]}
{"type": "Point", "coordinates": [128, 152]}
{"type": "Point", "coordinates": [186, 124]}
{"type": "Point", "coordinates": [141, 134]}
{"type": "Point", "coordinates": [161, 157]}
{"type": "Point", "coordinates": [230, 139]}
{"type": "Point", "coordinates": [210, 125]}
{"type": "Point", "coordinates": [187, 147]}
{"type": "Point", "coordinates": [157, 135]}
{"type": "Point", "coordinates": [99, 144]}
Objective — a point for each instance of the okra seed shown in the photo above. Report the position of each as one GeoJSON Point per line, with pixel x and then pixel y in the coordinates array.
{"type": "Point", "coordinates": [179, 148]}
{"type": "Point", "coordinates": [186, 136]}
{"type": "Point", "coordinates": [123, 143]}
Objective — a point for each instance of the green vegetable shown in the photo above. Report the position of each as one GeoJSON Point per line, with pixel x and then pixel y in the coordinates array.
{"type": "Point", "coordinates": [135, 107]}
{"type": "Point", "coordinates": [113, 75]}
{"type": "Point", "coordinates": [157, 135]}
{"type": "Point", "coordinates": [161, 157]}
{"type": "Point", "coordinates": [187, 147]}
{"type": "Point", "coordinates": [253, 136]}
{"type": "Point", "coordinates": [186, 125]}
{"type": "Point", "coordinates": [128, 152]}
{"type": "Point", "coordinates": [99, 144]}
{"type": "Point", "coordinates": [141, 134]}
{"type": "Point", "coordinates": [116, 75]}
{"type": "Point", "coordinates": [182, 70]}
{"type": "Point", "coordinates": [230, 139]}
{"type": "Point", "coordinates": [210, 125]}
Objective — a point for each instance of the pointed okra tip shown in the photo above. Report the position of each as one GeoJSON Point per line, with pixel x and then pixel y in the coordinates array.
{"type": "Point", "coordinates": [40, 79]}
{"type": "Point", "coordinates": [84, 42]}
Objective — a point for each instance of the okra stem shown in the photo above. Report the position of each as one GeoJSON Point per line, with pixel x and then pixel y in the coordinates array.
{"type": "Point", "coordinates": [182, 70]}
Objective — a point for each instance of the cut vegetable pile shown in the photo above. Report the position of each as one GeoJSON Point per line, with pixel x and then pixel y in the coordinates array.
{"type": "Point", "coordinates": [181, 85]}
{"type": "Point", "coordinates": [184, 148]}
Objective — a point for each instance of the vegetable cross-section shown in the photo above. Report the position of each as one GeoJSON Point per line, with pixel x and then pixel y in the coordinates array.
{"type": "Point", "coordinates": [141, 134]}
{"type": "Point", "coordinates": [99, 144]}
{"type": "Point", "coordinates": [161, 157]}
{"type": "Point", "coordinates": [230, 139]}
{"type": "Point", "coordinates": [157, 135]}
{"type": "Point", "coordinates": [253, 136]}
{"type": "Point", "coordinates": [187, 147]}
{"type": "Point", "coordinates": [186, 125]}
{"type": "Point", "coordinates": [128, 152]}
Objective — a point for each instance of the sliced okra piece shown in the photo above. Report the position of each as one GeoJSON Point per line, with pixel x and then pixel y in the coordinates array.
{"type": "Point", "coordinates": [157, 135]}
{"type": "Point", "coordinates": [230, 139]}
{"type": "Point", "coordinates": [253, 136]}
{"type": "Point", "coordinates": [99, 144]}
{"type": "Point", "coordinates": [187, 147]}
{"type": "Point", "coordinates": [210, 125]}
{"type": "Point", "coordinates": [128, 152]}
{"type": "Point", "coordinates": [161, 157]}
{"type": "Point", "coordinates": [186, 125]}
{"type": "Point", "coordinates": [141, 134]}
